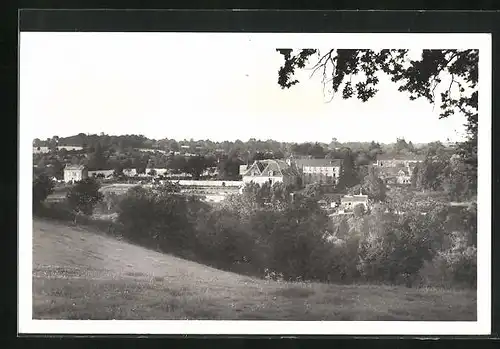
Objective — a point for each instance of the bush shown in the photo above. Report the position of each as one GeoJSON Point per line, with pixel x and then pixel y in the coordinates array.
{"type": "Point", "coordinates": [453, 267]}
{"type": "Point", "coordinates": [83, 197]}
{"type": "Point", "coordinates": [223, 241]}
{"type": "Point", "coordinates": [110, 202]}
{"type": "Point", "coordinates": [157, 218]}
{"type": "Point", "coordinates": [43, 186]}
{"type": "Point", "coordinates": [297, 245]}
{"type": "Point", "coordinates": [58, 211]}
{"type": "Point", "coordinates": [397, 252]}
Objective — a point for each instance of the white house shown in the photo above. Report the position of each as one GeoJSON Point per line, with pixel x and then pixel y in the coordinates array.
{"type": "Point", "coordinates": [318, 170]}
{"type": "Point", "coordinates": [348, 202]}
{"type": "Point", "coordinates": [271, 171]}
{"type": "Point", "coordinates": [75, 173]}
{"type": "Point", "coordinates": [394, 160]}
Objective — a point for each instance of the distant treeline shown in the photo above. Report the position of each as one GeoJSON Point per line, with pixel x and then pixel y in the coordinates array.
{"type": "Point", "coordinates": [252, 146]}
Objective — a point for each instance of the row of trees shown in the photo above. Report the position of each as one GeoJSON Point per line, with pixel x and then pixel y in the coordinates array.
{"type": "Point", "coordinates": [444, 173]}
{"type": "Point", "coordinates": [247, 151]}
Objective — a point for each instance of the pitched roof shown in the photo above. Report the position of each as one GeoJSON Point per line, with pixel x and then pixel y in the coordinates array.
{"type": "Point", "coordinates": [279, 166]}
{"type": "Point", "coordinates": [408, 157]}
{"type": "Point", "coordinates": [333, 196]}
{"type": "Point", "coordinates": [74, 167]}
{"type": "Point", "coordinates": [389, 171]}
{"type": "Point", "coordinates": [393, 171]}
{"type": "Point", "coordinates": [318, 162]}
{"type": "Point", "coordinates": [355, 198]}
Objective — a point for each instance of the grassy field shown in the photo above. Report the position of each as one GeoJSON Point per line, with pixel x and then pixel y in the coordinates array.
{"type": "Point", "coordinates": [79, 273]}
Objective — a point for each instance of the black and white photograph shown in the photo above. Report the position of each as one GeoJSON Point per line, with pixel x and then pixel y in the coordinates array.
{"type": "Point", "coordinates": [270, 183]}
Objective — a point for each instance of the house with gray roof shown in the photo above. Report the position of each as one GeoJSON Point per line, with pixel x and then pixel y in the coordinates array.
{"type": "Point", "coordinates": [402, 160]}
{"type": "Point", "coordinates": [271, 171]}
{"type": "Point", "coordinates": [348, 202]}
{"type": "Point", "coordinates": [318, 170]}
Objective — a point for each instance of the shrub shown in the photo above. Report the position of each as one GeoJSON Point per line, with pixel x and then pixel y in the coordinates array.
{"type": "Point", "coordinates": [359, 210]}
{"type": "Point", "coordinates": [397, 252]}
{"type": "Point", "coordinates": [110, 202]}
{"type": "Point", "coordinates": [56, 210]}
{"type": "Point", "coordinates": [224, 241]}
{"type": "Point", "coordinates": [297, 244]}
{"type": "Point", "coordinates": [83, 197]}
{"type": "Point", "coordinates": [157, 218]}
{"type": "Point", "coordinates": [43, 186]}
{"type": "Point", "coordinates": [453, 267]}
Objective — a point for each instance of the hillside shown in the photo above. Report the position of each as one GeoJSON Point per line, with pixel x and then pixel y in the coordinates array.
{"type": "Point", "coordinates": [79, 273]}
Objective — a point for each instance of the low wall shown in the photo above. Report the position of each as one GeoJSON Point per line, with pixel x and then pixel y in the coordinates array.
{"type": "Point", "coordinates": [195, 183]}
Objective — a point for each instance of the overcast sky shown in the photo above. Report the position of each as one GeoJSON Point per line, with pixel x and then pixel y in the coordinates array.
{"type": "Point", "coordinates": [190, 86]}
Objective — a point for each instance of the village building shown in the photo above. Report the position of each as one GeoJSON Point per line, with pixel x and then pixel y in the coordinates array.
{"type": "Point", "coordinates": [70, 147]}
{"type": "Point", "coordinates": [130, 172]}
{"type": "Point", "coordinates": [75, 173]}
{"type": "Point", "coordinates": [349, 202]}
{"type": "Point", "coordinates": [399, 175]}
{"type": "Point", "coordinates": [271, 171]}
{"type": "Point", "coordinates": [43, 150]}
{"type": "Point", "coordinates": [326, 171]}
{"type": "Point", "coordinates": [101, 173]}
{"type": "Point", "coordinates": [398, 160]}
{"type": "Point", "coordinates": [403, 177]}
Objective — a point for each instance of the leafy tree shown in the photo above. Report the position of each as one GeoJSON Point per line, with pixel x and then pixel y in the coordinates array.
{"type": "Point", "coordinates": [430, 174]}
{"type": "Point", "coordinates": [373, 186]}
{"type": "Point", "coordinates": [83, 196]}
{"type": "Point", "coordinates": [400, 145]}
{"type": "Point", "coordinates": [118, 172]}
{"type": "Point", "coordinates": [348, 175]}
{"type": "Point", "coordinates": [152, 172]}
{"type": "Point", "coordinates": [228, 167]}
{"type": "Point", "coordinates": [97, 160]}
{"type": "Point", "coordinates": [455, 72]}
{"type": "Point", "coordinates": [317, 151]}
{"type": "Point", "coordinates": [195, 165]}
{"type": "Point", "coordinates": [43, 186]}
{"type": "Point", "coordinates": [56, 169]}
{"type": "Point", "coordinates": [455, 181]}
{"type": "Point", "coordinates": [157, 217]}
{"type": "Point", "coordinates": [359, 210]}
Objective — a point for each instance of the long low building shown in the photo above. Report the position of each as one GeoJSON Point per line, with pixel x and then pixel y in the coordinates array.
{"type": "Point", "coordinates": [210, 183]}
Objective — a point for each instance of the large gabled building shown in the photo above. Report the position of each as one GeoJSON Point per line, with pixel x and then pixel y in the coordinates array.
{"type": "Point", "coordinates": [271, 171]}
{"type": "Point", "coordinates": [325, 171]}
{"type": "Point", "coordinates": [401, 160]}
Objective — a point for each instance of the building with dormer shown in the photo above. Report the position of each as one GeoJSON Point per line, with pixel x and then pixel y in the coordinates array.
{"type": "Point", "coordinates": [271, 171]}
